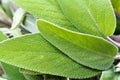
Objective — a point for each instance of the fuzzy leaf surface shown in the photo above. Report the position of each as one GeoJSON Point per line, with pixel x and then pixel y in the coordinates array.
{"type": "Point", "coordinates": [34, 53]}
{"type": "Point", "coordinates": [12, 72]}
{"type": "Point", "coordinates": [94, 52]}
{"type": "Point", "coordinates": [40, 9]}
{"type": "Point", "coordinates": [94, 17]}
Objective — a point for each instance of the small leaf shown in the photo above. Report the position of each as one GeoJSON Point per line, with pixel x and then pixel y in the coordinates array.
{"type": "Point", "coordinates": [34, 53]}
{"type": "Point", "coordinates": [31, 75]}
{"type": "Point", "coordinates": [4, 18]}
{"type": "Point", "coordinates": [25, 71]}
{"type": "Point", "coordinates": [6, 6]}
{"type": "Point", "coordinates": [110, 75]}
{"type": "Point", "coordinates": [18, 18]}
{"type": "Point", "coordinates": [94, 17]}
{"type": "Point", "coordinates": [117, 68]}
{"type": "Point", "coordinates": [88, 50]}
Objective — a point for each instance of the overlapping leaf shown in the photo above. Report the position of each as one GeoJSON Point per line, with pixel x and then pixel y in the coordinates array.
{"type": "Point", "coordinates": [30, 24]}
{"type": "Point", "coordinates": [12, 72]}
{"type": "Point", "coordinates": [47, 10]}
{"type": "Point", "coordinates": [93, 17]}
{"type": "Point", "coordinates": [88, 17]}
{"type": "Point", "coordinates": [110, 75]}
{"type": "Point", "coordinates": [18, 18]}
{"type": "Point", "coordinates": [87, 50]}
{"type": "Point", "coordinates": [36, 54]}
{"type": "Point", "coordinates": [116, 5]}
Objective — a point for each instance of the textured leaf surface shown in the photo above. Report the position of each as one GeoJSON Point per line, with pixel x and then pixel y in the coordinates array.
{"type": "Point", "coordinates": [93, 17]}
{"type": "Point", "coordinates": [87, 50]}
{"type": "Point", "coordinates": [44, 77]}
{"type": "Point", "coordinates": [12, 72]}
{"type": "Point", "coordinates": [25, 71]}
{"type": "Point", "coordinates": [34, 53]}
{"type": "Point", "coordinates": [31, 75]}
{"type": "Point", "coordinates": [40, 9]}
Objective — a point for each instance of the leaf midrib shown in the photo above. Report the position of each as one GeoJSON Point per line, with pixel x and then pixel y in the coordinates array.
{"type": "Point", "coordinates": [99, 53]}
{"type": "Point", "coordinates": [93, 18]}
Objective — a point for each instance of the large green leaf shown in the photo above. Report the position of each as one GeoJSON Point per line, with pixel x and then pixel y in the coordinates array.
{"type": "Point", "coordinates": [47, 10]}
{"type": "Point", "coordinates": [93, 17]}
{"type": "Point", "coordinates": [36, 54]}
{"type": "Point", "coordinates": [87, 50]}
{"type": "Point", "coordinates": [12, 72]}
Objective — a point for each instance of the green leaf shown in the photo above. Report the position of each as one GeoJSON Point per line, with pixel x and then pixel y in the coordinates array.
{"type": "Point", "coordinates": [88, 50]}
{"type": "Point", "coordinates": [110, 75]}
{"type": "Point", "coordinates": [34, 53]}
{"type": "Point", "coordinates": [40, 9]}
{"type": "Point", "coordinates": [18, 18]}
{"type": "Point", "coordinates": [94, 17]}
{"type": "Point", "coordinates": [31, 75]}
{"type": "Point", "coordinates": [116, 5]}
{"type": "Point", "coordinates": [117, 68]}
{"type": "Point", "coordinates": [5, 20]}
{"type": "Point", "coordinates": [25, 71]}
{"type": "Point", "coordinates": [29, 24]}
{"type": "Point", "coordinates": [12, 72]}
